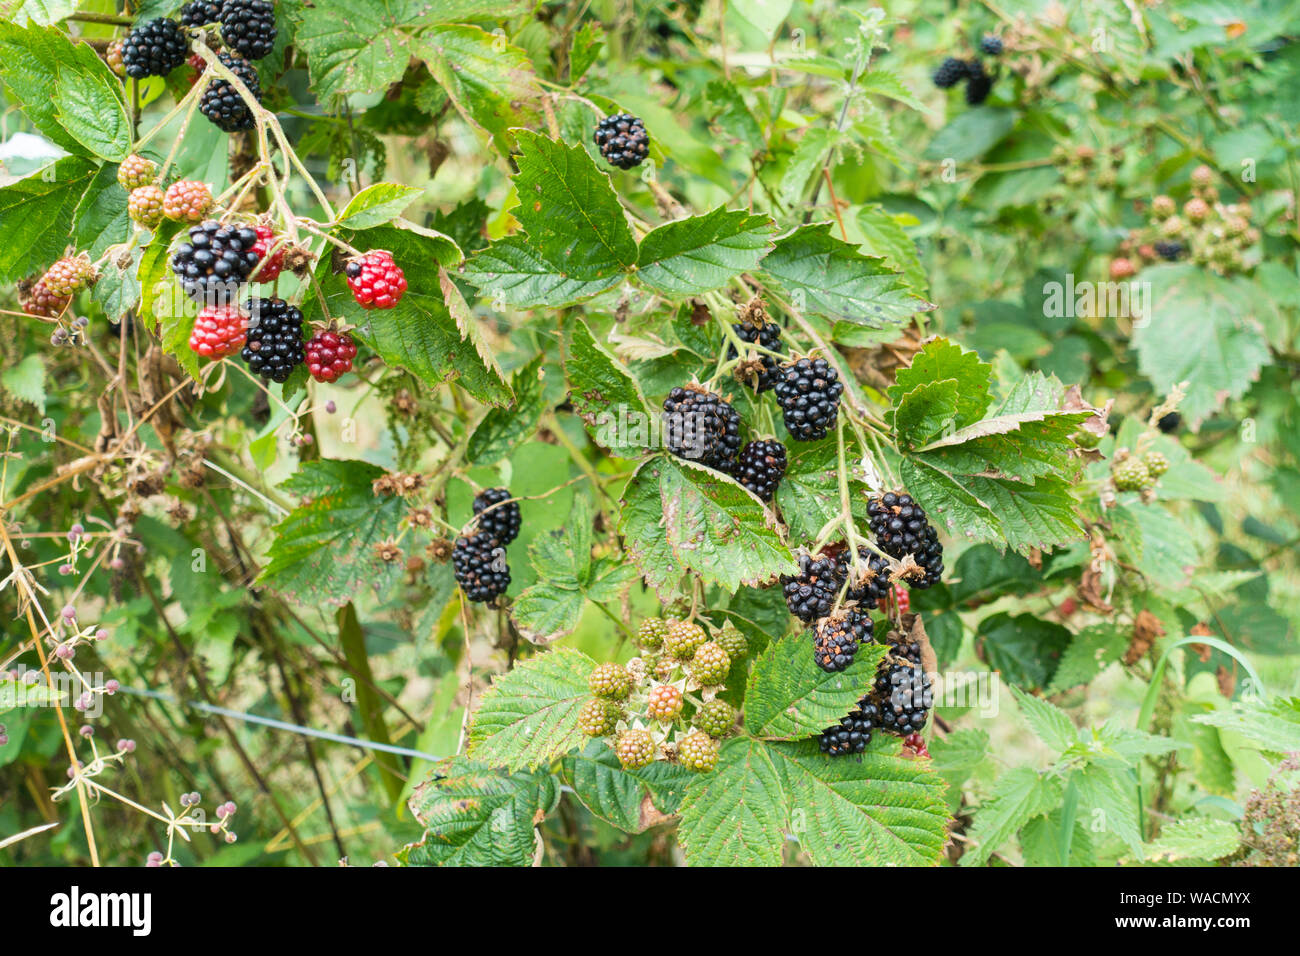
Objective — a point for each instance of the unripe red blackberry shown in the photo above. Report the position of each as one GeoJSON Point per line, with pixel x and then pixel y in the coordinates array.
{"type": "Point", "coordinates": [376, 281]}
{"type": "Point", "coordinates": [187, 200]}
{"type": "Point", "coordinates": [329, 355]}
{"type": "Point", "coordinates": [622, 140]}
{"type": "Point", "coordinates": [635, 748]}
{"type": "Point", "coordinates": [710, 664]}
{"type": "Point", "coordinates": [610, 681]}
{"type": "Point", "coordinates": [701, 426]}
{"type": "Point", "coordinates": [268, 270]}
{"type": "Point", "coordinates": [683, 639]}
{"type": "Point", "coordinates": [136, 171]}
{"type": "Point", "coordinates": [69, 275]}
{"type": "Point", "coordinates": [500, 521]}
{"type": "Point", "coordinates": [1196, 210]}
{"type": "Point", "coordinates": [697, 751]}
{"type": "Point", "coordinates": [113, 57]}
{"type": "Point", "coordinates": [599, 717]}
{"type": "Point", "coordinates": [837, 638]}
{"type": "Point", "coordinates": [219, 331]}
{"type": "Point", "coordinates": [716, 718]}
{"type": "Point", "coordinates": [42, 302]}
{"type": "Point", "coordinates": [1162, 207]}
{"type": "Point", "coordinates": [1202, 176]}
{"type": "Point", "coordinates": [1122, 268]}
{"type": "Point", "coordinates": [761, 466]}
{"type": "Point", "coordinates": [664, 703]}
{"type": "Point", "coordinates": [811, 593]}
{"type": "Point", "coordinates": [145, 206]}
{"type": "Point", "coordinates": [652, 632]}
{"type": "Point", "coordinates": [809, 395]}
{"type": "Point", "coordinates": [154, 48]}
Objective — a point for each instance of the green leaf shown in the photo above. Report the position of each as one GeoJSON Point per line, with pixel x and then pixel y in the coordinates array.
{"type": "Point", "coordinates": [631, 800]}
{"type": "Point", "coordinates": [940, 360]}
{"type": "Point", "coordinates": [490, 82]}
{"type": "Point", "coordinates": [473, 816]}
{"type": "Point", "coordinates": [734, 816]}
{"type": "Point", "coordinates": [587, 42]}
{"type": "Point", "coordinates": [90, 108]}
{"type": "Point", "coordinates": [356, 46]}
{"type": "Point", "coordinates": [376, 205]}
{"type": "Point", "coordinates": [1049, 723]}
{"type": "Point", "coordinates": [1273, 724]}
{"type": "Point", "coordinates": [468, 325]}
{"type": "Point", "coordinates": [101, 218]}
{"type": "Point", "coordinates": [1194, 838]}
{"type": "Point", "coordinates": [529, 716]}
{"type": "Point", "coordinates": [924, 411]}
{"type": "Point", "coordinates": [809, 494]}
{"type": "Point", "coordinates": [36, 216]}
{"type": "Point", "coordinates": [789, 696]}
{"type": "Point", "coordinates": [1024, 648]}
{"type": "Point", "coordinates": [831, 278]}
{"type": "Point", "coordinates": [26, 381]}
{"type": "Point", "coordinates": [30, 63]}
{"type": "Point", "coordinates": [1019, 795]}
{"type": "Point", "coordinates": [1091, 652]}
{"type": "Point", "coordinates": [713, 526]}
{"type": "Point", "coordinates": [503, 428]}
{"type": "Point", "coordinates": [324, 549]}
{"type": "Point", "coordinates": [1111, 798]}
{"type": "Point", "coordinates": [884, 236]}
{"type": "Point", "coordinates": [606, 396]}
{"type": "Point", "coordinates": [971, 134]}
{"type": "Point", "coordinates": [545, 611]}
{"type": "Point", "coordinates": [808, 157]}
{"type": "Point", "coordinates": [696, 255]}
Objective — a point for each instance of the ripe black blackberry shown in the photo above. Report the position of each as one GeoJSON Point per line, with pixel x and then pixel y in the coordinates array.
{"type": "Point", "coordinates": [837, 638]}
{"type": "Point", "coordinates": [701, 426]}
{"type": "Point", "coordinates": [874, 585]}
{"type": "Point", "coordinates": [904, 697]}
{"type": "Point", "coordinates": [249, 27]}
{"type": "Point", "coordinates": [154, 48]}
{"type": "Point", "coordinates": [198, 13]}
{"type": "Point", "coordinates": [216, 261]}
{"type": "Point", "coordinates": [950, 72]}
{"type": "Point", "coordinates": [221, 102]}
{"type": "Point", "coordinates": [811, 593]}
{"type": "Point", "coordinates": [480, 566]}
{"type": "Point", "coordinates": [767, 335]}
{"type": "Point", "coordinates": [274, 347]}
{"type": "Point", "coordinates": [991, 45]}
{"type": "Point", "coordinates": [852, 734]}
{"type": "Point", "coordinates": [761, 466]}
{"type": "Point", "coordinates": [502, 522]}
{"type": "Point", "coordinates": [900, 528]}
{"type": "Point", "coordinates": [622, 140]}
{"type": "Point", "coordinates": [808, 392]}
{"type": "Point", "coordinates": [978, 84]}
{"type": "Point", "coordinates": [1169, 423]}
{"type": "Point", "coordinates": [1168, 250]}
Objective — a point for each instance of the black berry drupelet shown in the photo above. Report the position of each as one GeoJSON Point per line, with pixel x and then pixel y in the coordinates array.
{"type": "Point", "coordinates": [837, 638]}
{"type": "Point", "coordinates": [249, 27]}
{"type": "Point", "coordinates": [622, 140]}
{"type": "Point", "coordinates": [480, 566]}
{"type": "Point", "coordinates": [1168, 250]}
{"type": "Point", "coordinates": [904, 697]}
{"type": "Point", "coordinates": [852, 734]}
{"type": "Point", "coordinates": [216, 261]}
{"type": "Point", "coordinates": [874, 584]}
{"type": "Point", "coordinates": [811, 593]}
{"type": "Point", "coordinates": [502, 522]}
{"type": "Point", "coordinates": [979, 84]}
{"type": "Point", "coordinates": [950, 72]}
{"type": "Point", "coordinates": [900, 527]}
{"type": "Point", "coordinates": [761, 466]}
{"type": "Point", "coordinates": [198, 13]}
{"type": "Point", "coordinates": [154, 48]}
{"type": "Point", "coordinates": [809, 395]}
{"type": "Point", "coordinates": [991, 45]}
{"type": "Point", "coordinates": [221, 102]}
{"type": "Point", "coordinates": [701, 426]}
{"type": "Point", "coordinates": [274, 347]}
{"type": "Point", "coordinates": [767, 335]}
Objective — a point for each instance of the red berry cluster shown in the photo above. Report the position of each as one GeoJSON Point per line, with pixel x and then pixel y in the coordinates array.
{"type": "Point", "coordinates": [268, 270]}
{"type": "Point", "coordinates": [330, 355]}
{"type": "Point", "coordinates": [376, 281]}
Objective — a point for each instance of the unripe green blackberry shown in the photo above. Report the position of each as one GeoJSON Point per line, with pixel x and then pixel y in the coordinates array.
{"type": "Point", "coordinates": [732, 641]}
{"type": "Point", "coordinates": [652, 632]}
{"type": "Point", "coordinates": [1202, 176]}
{"type": "Point", "coordinates": [698, 751]}
{"type": "Point", "coordinates": [1196, 209]}
{"type": "Point", "coordinates": [636, 748]}
{"type": "Point", "coordinates": [187, 201]}
{"type": "Point", "coordinates": [1086, 439]}
{"type": "Point", "coordinates": [145, 206]}
{"type": "Point", "coordinates": [598, 717]}
{"type": "Point", "coordinates": [684, 639]}
{"type": "Point", "coordinates": [70, 275]}
{"type": "Point", "coordinates": [664, 703]}
{"type": "Point", "coordinates": [716, 718]}
{"type": "Point", "coordinates": [711, 664]}
{"type": "Point", "coordinates": [1162, 207]}
{"type": "Point", "coordinates": [1157, 464]}
{"type": "Point", "coordinates": [1132, 475]}
{"type": "Point", "coordinates": [136, 171]}
{"type": "Point", "coordinates": [611, 681]}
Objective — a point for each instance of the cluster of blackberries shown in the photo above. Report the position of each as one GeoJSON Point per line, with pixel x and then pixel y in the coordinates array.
{"type": "Point", "coordinates": [701, 426]}
{"type": "Point", "coordinates": [761, 466]}
{"type": "Point", "coordinates": [274, 345]}
{"type": "Point", "coordinates": [811, 593]}
{"type": "Point", "coordinates": [837, 638]}
{"type": "Point", "coordinates": [1169, 251]}
{"type": "Point", "coordinates": [216, 261]}
{"type": "Point", "coordinates": [979, 82]}
{"type": "Point", "coordinates": [900, 528]}
{"type": "Point", "coordinates": [808, 391]}
{"type": "Point", "coordinates": [899, 702]}
{"type": "Point", "coordinates": [622, 140]}
{"type": "Point", "coordinates": [221, 103]}
{"type": "Point", "coordinates": [479, 559]}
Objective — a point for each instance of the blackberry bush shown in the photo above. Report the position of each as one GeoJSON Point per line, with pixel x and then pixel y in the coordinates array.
{"type": "Point", "coordinates": [809, 394]}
